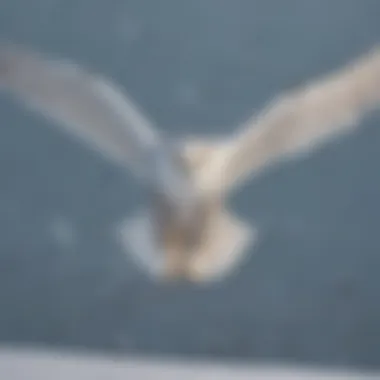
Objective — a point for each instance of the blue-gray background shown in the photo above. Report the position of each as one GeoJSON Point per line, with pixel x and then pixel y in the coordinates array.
{"type": "Point", "coordinates": [310, 292]}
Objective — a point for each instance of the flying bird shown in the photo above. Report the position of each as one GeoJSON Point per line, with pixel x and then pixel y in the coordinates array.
{"type": "Point", "coordinates": [187, 231]}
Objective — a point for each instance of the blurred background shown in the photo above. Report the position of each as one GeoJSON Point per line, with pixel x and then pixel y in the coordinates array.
{"type": "Point", "coordinates": [310, 290]}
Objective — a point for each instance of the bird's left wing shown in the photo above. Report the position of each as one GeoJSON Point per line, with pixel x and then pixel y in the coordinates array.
{"type": "Point", "coordinates": [82, 103]}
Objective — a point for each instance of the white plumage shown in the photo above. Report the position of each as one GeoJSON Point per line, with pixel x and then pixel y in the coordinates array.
{"type": "Point", "coordinates": [187, 231]}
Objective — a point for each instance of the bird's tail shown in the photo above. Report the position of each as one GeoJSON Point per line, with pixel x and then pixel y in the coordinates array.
{"type": "Point", "coordinates": [226, 244]}
{"type": "Point", "coordinates": [221, 251]}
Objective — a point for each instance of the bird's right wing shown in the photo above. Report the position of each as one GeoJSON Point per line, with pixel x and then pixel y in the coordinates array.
{"type": "Point", "coordinates": [84, 104]}
{"type": "Point", "coordinates": [295, 123]}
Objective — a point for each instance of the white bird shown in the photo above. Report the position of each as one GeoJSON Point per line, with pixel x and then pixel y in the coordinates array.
{"type": "Point", "coordinates": [187, 232]}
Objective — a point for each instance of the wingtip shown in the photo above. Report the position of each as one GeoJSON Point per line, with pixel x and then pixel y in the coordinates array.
{"type": "Point", "coordinates": [6, 58]}
{"type": "Point", "coordinates": [14, 55]}
{"type": "Point", "coordinates": [11, 56]}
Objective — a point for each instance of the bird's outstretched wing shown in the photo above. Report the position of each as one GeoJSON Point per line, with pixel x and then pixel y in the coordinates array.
{"type": "Point", "coordinates": [295, 123]}
{"type": "Point", "coordinates": [84, 104]}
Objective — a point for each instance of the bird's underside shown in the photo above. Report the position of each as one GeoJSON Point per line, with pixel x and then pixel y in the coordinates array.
{"type": "Point", "coordinates": [221, 245]}
{"type": "Point", "coordinates": [186, 231]}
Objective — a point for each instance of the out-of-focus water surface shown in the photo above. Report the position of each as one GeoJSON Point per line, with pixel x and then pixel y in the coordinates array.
{"type": "Point", "coordinates": [310, 291]}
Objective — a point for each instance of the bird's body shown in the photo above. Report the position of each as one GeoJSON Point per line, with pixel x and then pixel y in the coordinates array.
{"type": "Point", "coordinates": [187, 232]}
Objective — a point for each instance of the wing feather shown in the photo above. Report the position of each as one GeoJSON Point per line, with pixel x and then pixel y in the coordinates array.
{"type": "Point", "coordinates": [84, 104]}
{"type": "Point", "coordinates": [296, 123]}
